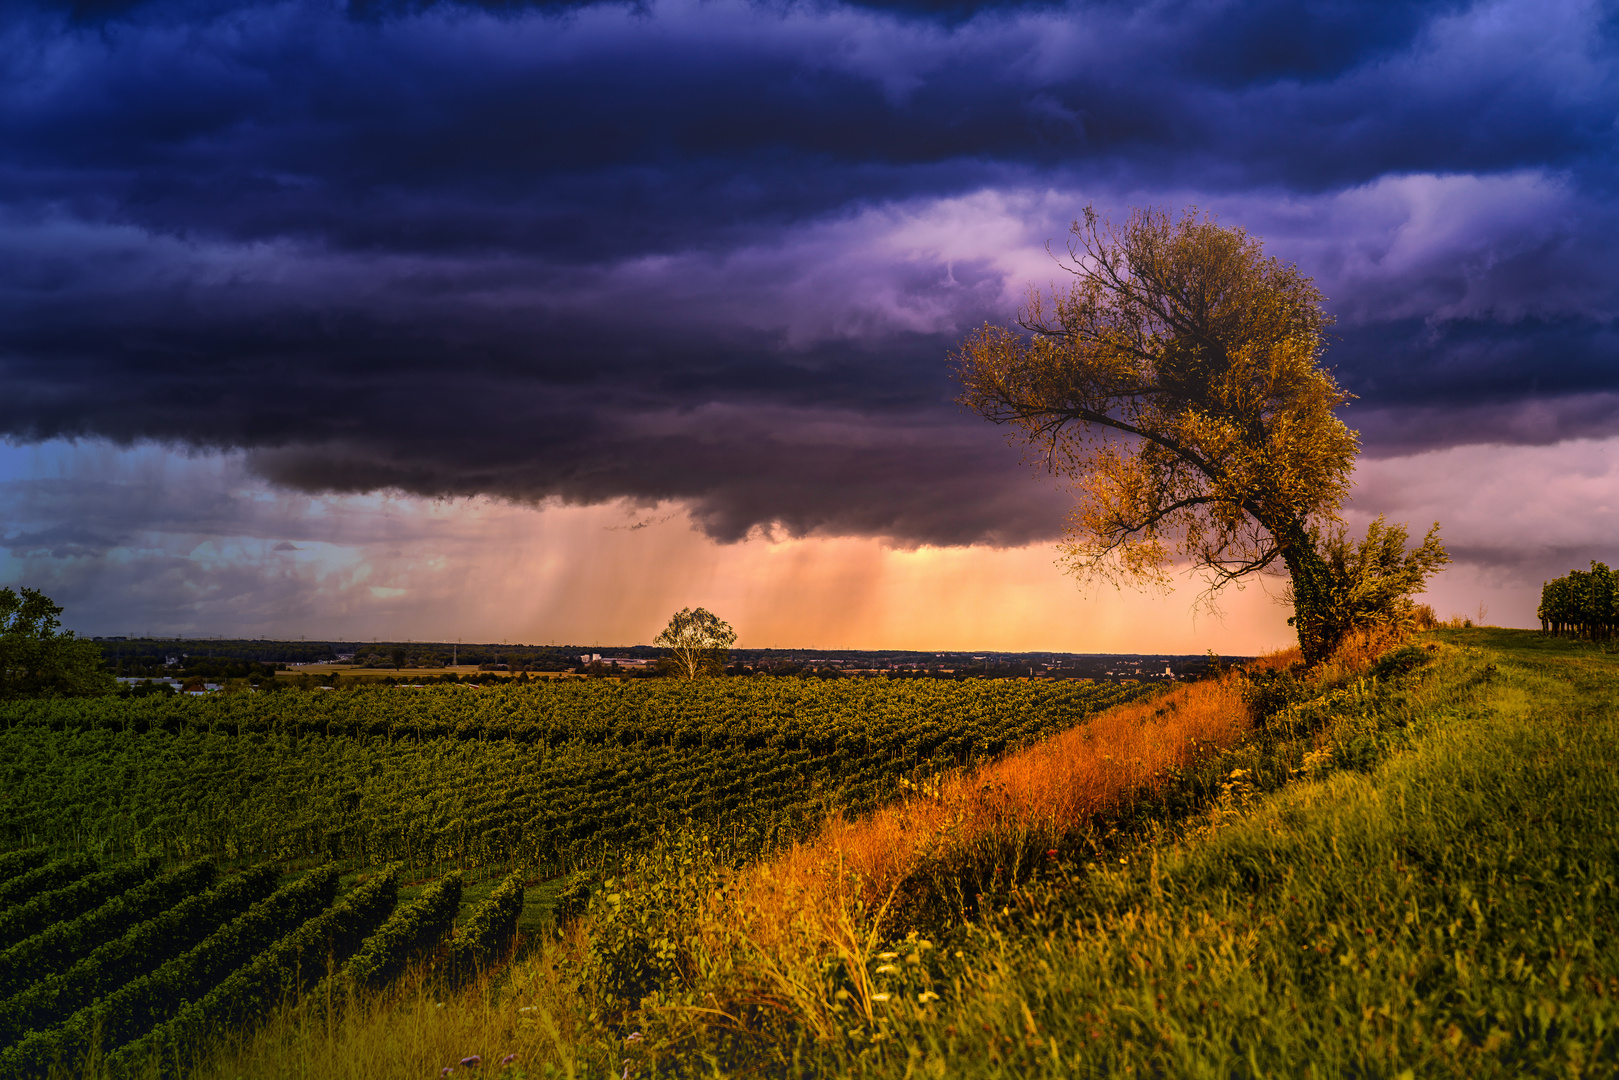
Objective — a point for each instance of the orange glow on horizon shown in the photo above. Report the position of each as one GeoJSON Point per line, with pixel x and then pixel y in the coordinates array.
{"type": "Point", "coordinates": [580, 575]}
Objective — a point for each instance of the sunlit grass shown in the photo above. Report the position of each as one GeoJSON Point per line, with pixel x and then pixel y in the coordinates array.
{"type": "Point", "coordinates": [517, 1021]}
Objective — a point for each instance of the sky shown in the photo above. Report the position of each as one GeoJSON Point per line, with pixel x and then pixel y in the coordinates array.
{"type": "Point", "coordinates": [537, 321]}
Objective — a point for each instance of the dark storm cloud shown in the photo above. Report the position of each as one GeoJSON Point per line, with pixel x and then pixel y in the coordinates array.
{"type": "Point", "coordinates": [694, 251]}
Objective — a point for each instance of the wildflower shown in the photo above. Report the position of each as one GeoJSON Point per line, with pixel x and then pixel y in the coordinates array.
{"type": "Point", "coordinates": [887, 969]}
{"type": "Point", "coordinates": [446, 1071]}
{"type": "Point", "coordinates": [1052, 853]}
{"type": "Point", "coordinates": [634, 1036]}
{"type": "Point", "coordinates": [527, 1008]}
{"type": "Point", "coordinates": [888, 956]}
{"type": "Point", "coordinates": [879, 997]}
{"type": "Point", "coordinates": [508, 1059]}
{"type": "Point", "coordinates": [471, 1062]}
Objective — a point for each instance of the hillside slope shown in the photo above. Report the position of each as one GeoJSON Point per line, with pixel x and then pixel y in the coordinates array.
{"type": "Point", "coordinates": [1447, 908]}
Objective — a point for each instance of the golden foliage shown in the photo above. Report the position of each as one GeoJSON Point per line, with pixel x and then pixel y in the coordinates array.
{"type": "Point", "coordinates": [1176, 384]}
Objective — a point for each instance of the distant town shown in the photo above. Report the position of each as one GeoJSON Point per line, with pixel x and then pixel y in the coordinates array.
{"type": "Point", "coordinates": [212, 662]}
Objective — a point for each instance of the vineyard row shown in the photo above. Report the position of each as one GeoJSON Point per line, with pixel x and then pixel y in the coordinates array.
{"type": "Point", "coordinates": [144, 978]}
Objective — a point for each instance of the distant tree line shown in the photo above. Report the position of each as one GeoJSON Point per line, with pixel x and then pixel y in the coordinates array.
{"type": "Point", "coordinates": [401, 655]}
{"type": "Point", "coordinates": [152, 652]}
{"type": "Point", "coordinates": [149, 655]}
{"type": "Point", "coordinates": [1580, 604]}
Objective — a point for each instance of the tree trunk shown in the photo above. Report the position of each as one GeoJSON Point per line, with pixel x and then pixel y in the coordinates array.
{"type": "Point", "coordinates": [1317, 614]}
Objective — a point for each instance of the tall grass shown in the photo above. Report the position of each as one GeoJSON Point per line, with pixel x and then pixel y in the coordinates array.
{"type": "Point", "coordinates": [785, 937]}
{"type": "Point", "coordinates": [1046, 792]}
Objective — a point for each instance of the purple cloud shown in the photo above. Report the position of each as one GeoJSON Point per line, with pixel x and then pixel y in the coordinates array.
{"type": "Point", "coordinates": [717, 253]}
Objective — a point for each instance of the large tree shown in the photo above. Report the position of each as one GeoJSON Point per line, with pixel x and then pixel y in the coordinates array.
{"type": "Point", "coordinates": [698, 642]}
{"type": "Point", "coordinates": [40, 659]}
{"type": "Point", "coordinates": [1176, 383]}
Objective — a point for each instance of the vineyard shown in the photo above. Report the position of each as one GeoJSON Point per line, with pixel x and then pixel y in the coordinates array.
{"type": "Point", "coordinates": [151, 894]}
{"type": "Point", "coordinates": [538, 778]}
{"type": "Point", "coordinates": [1580, 604]}
{"type": "Point", "coordinates": [135, 969]}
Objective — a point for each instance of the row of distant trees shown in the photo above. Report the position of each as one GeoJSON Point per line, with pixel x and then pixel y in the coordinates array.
{"type": "Point", "coordinates": [400, 656]}
{"type": "Point", "coordinates": [1581, 604]}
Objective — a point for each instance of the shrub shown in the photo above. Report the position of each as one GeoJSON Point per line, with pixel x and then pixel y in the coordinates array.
{"type": "Point", "coordinates": [639, 923]}
{"type": "Point", "coordinates": [1268, 691]}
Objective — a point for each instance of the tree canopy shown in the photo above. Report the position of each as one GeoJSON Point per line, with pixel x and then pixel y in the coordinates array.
{"type": "Point", "coordinates": [38, 658]}
{"type": "Point", "coordinates": [1177, 385]}
{"type": "Point", "coordinates": [698, 642]}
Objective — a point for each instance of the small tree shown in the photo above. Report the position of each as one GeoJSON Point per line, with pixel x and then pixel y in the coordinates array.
{"type": "Point", "coordinates": [698, 642]}
{"type": "Point", "coordinates": [1374, 579]}
{"type": "Point", "coordinates": [38, 658]}
{"type": "Point", "coordinates": [1177, 385]}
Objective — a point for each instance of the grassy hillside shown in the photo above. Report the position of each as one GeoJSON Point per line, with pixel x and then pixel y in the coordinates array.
{"type": "Point", "coordinates": [1449, 911]}
{"type": "Point", "coordinates": [1406, 867]}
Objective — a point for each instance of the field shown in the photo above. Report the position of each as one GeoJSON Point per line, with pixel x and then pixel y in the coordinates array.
{"type": "Point", "coordinates": [517, 784]}
{"type": "Point", "coordinates": [540, 778]}
{"type": "Point", "coordinates": [1400, 864]}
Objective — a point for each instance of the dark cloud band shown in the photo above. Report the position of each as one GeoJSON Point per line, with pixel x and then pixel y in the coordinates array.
{"type": "Point", "coordinates": [597, 251]}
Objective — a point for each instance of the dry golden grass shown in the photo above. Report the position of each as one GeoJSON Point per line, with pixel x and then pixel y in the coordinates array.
{"type": "Point", "coordinates": [1114, 758]}
{"type": "Point", "coordinates": [832, 895]}
{"type": "Point", "coordinates": [519, 1015]}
